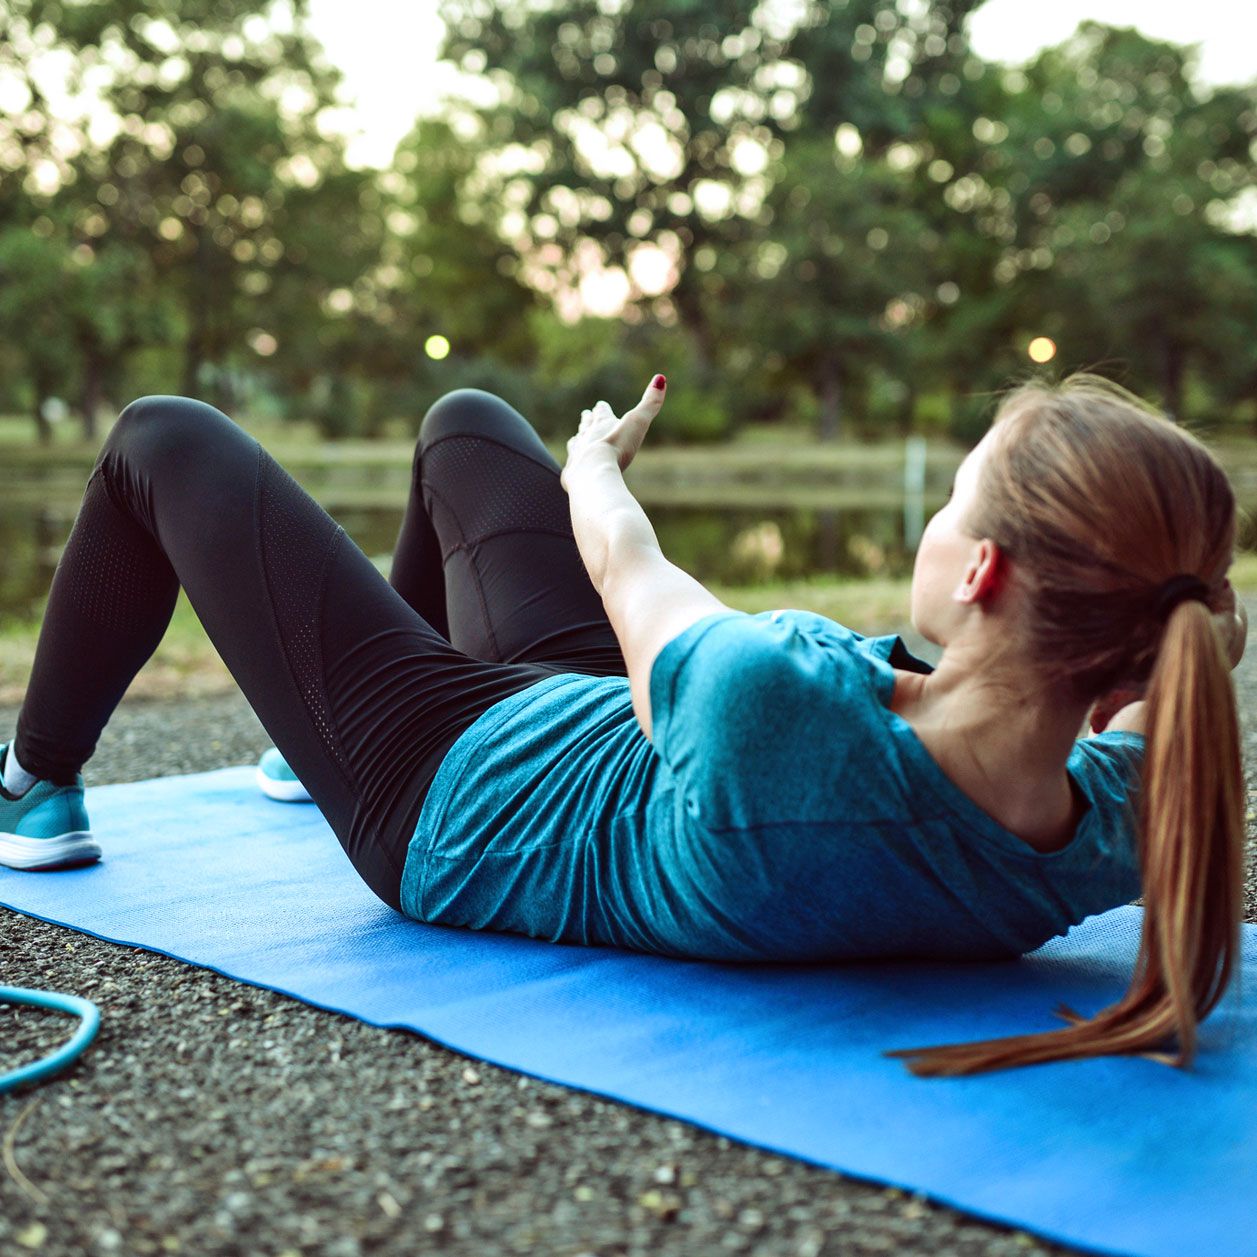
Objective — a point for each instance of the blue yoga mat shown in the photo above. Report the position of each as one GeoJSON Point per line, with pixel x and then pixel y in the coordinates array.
{"type": "Point", "coordinates": [1119, 1155]}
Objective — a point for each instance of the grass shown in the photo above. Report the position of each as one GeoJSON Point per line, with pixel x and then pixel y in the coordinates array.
{"type": "Point", "coordinates": [186, 665]}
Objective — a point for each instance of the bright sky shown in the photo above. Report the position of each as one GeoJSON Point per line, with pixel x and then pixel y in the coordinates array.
{"type": "Point", "coordinates": [387, 50]}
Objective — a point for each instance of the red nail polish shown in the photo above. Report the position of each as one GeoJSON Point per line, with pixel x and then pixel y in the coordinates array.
{"type": "Point", "coordinates": [659, 381]}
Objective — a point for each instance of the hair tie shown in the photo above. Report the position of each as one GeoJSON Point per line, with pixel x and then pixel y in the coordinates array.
{"type": "Point", "coordinates": [1178, 589]}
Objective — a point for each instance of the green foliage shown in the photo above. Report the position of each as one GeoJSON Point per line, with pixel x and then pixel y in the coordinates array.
{"type": "Point", "coordinates": [862, 224]}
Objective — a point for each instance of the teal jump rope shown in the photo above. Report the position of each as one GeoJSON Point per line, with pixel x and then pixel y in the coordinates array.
{"type": "Point", "coordinates": [89, 1022]}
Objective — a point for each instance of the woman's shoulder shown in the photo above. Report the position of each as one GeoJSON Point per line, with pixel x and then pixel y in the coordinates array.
{"type": "Point", "coordinates": [887, 652]}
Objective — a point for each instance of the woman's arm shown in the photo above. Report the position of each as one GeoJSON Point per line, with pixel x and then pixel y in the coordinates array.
{"type": "Point", "coordinates": [648, 600]}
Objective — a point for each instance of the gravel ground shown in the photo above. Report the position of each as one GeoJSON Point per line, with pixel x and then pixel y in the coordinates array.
{"type": "Point", "coordinates": [215, 1118]}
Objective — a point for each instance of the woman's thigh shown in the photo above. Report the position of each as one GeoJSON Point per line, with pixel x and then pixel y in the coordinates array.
{"type": "Point", "coordinates": [361, 695]}
{"type": "Point", "coordinates": [398, 696]}
{"type": "Point", "coordinates": [516, 588]}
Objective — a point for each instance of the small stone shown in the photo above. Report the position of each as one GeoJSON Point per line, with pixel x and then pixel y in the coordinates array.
{"type": "Point", "coordinates": [663, 1205]}
{"type": "Point", "coordinates": [32, 1236]}
{"type": "Point", "coordinates": [388, 1204]}
{"type": "Point", "coordinates": [470, 1076]}
{"type": "Point", "coordinates": [434, 1222]}
{"type": "Point", "coordinates": [811, 1242]}
{"type": "Point", "coordinates": [666, 1174]}
{"type": "Point", "coordinates": [583, 1193]}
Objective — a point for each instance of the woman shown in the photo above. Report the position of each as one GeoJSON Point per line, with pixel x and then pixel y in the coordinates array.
{"type": "Point", "coordinates": [541, 725]}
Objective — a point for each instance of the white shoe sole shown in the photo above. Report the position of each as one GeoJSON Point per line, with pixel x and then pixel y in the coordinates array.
{"type": "Point", "coordinates": [283, 791]}
{"type": "Point", "coordinates": [35, 854]}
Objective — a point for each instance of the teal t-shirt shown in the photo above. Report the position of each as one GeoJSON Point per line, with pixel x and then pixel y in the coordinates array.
{"type": "Point", "coordinates": [781, 811]}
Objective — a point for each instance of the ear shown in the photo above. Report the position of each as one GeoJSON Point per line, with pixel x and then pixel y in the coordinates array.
{"type": "Point", "coordinates": [984, 574]}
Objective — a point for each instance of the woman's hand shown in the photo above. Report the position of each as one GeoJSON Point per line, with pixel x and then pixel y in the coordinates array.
{"type": "Point", "coordinates": [602, 436]}
{"type": "Point", "coordinates": [1232, 621]}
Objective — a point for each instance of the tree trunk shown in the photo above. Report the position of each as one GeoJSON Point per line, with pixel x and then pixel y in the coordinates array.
{"type": "Point", "coordinates": [1172, 379]}
{"type": "Point", "coordinates": [830, 428]}
{"type": "Point", "coordinates": [90, 400]}
{"type": "Point", "coordinates": [829, 547]}
{"type": "Point", "coordinates": [200, 300]}
{"type": "Point", "coordinates": [193, 359]}
{"type": "Point", "coordinates": [908, 410]}
{"type": "Point", "coordinates": [689, 305]}
{"type": "Point", "coordinates": [43, 428]}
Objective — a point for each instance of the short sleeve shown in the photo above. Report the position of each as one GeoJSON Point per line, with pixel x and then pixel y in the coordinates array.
{"type": "Point", "coordinates": [742, 712]}
{"type": "Point", "coordinates": [1108, 768]}
{"type": "Point", "coordinates": [1114, 761]}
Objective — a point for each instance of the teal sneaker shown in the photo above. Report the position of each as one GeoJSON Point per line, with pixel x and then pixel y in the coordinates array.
{"type": "Point", "coordinates": [45, 828]}
{"type": "Point", "coordinates": [277, 781]}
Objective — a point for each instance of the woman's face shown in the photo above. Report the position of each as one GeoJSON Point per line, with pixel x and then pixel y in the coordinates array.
{"type": "Point", "coordinates": [948, 558]}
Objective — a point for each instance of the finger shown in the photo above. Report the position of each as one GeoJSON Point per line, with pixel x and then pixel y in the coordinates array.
{"type": "Point", "coordinates": [652, 398]}
{"type": "Point", "coordinates": [650, 405]}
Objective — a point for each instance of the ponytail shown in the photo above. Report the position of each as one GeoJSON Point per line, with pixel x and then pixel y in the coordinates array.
{"type": "Point", "coordinates": [1191, 856]}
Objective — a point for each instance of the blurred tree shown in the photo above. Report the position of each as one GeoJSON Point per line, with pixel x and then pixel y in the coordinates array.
{"type": "Point", "coordinates": [834, 289]}
{"type": "Point", "coordinates": [34, 269]}
{"type": "Point", "coordinates": [450, 280]}
{"type": "Point", "coordinates": [325, 351]}
{"type": "Point", "coordinates": [661, 130]}
{"type": "Point", "coordinates": [624, 128]}
{"type": "Point", "coordinates": [1114, 187]}
{"type": "Point", "coordinates": [806, 210]}
{"type": "Point", "coordinates": [218, 162]}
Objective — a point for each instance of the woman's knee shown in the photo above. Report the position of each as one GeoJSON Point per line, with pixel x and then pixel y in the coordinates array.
{"type": "Point", "coordinates": [476, 412]}
{"type": "Point", "coordinates": [462, 411]}
{"type": "Point", "coordinates": [159, 422]}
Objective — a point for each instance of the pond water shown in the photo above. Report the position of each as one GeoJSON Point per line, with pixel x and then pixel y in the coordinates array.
{"type": "Point", "coordinates": [730, 544]}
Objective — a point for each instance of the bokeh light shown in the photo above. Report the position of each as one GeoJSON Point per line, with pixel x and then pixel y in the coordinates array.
{"type": "Point", "coordinates": [1041, 349]}
{"type": "Point", "coordinates": [437, 347]}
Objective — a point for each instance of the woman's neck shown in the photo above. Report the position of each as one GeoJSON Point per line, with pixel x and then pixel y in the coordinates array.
{"type": "Point", "coordinates": [1002, 742]}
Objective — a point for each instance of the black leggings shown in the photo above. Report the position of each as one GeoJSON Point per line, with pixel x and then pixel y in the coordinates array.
{"type": "Point", "coordinates": [363, 683]}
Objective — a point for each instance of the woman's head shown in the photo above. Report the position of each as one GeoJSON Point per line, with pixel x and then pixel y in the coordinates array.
{"type": "Point", "coordinates": [1095, 500]}
{"type": "Point", "coordinates": [1067, 522]}
{"type": "Point", "coordinates": [956, 571]}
